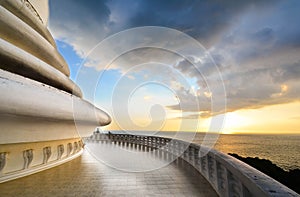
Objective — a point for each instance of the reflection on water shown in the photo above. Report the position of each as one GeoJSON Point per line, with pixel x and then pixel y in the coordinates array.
{"type": "Point", "coordinates": [282, 150]}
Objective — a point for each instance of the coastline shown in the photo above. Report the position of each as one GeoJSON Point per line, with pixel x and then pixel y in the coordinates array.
{"type": "Point", "coordinates": [289, 178]}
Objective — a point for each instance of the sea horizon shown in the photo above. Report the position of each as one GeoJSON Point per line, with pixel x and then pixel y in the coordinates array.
{"type": "Point", "coordinates": [280, 149]}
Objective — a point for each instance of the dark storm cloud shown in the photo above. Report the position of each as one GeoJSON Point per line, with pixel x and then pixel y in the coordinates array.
{"type": "Point", "coordinates": [80, 9]}
{"type": "Point", "coordinates": [204, 20]}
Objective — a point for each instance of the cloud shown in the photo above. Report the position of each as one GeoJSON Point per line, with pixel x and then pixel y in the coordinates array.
{"type": "Point", "coordinates": [84, 24]}
{"type": "Point", "coordinates": [79, 23]}
{"type": "Point", "coordinates": [254, 44]}
{"type": "Point", "coordinates": [204, 20]}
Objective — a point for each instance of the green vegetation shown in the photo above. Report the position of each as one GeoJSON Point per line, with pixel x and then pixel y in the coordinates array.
{"type": "Point", "coordinates": [289, 178]}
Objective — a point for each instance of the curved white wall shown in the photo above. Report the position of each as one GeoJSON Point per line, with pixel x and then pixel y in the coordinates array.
{"type": "Point", "coordinates": [42, 8]}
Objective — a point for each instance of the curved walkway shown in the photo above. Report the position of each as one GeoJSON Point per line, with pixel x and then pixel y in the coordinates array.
{"type": "Point", "coordinates": [85, 176]}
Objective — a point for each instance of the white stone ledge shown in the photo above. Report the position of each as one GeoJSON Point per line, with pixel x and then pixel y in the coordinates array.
{"type": "Point", "coordinates": [16, 162]}
{"type": "Point", "coordinates": [250, 181]}
{"type": "Point", "coordinates": [21, 62]}
{"type": "Point", "coordinates": [18, 8]}
{"type": "Point", "coordinates": [22, 97]}
{"type": "Point", "coordinates": [20, 34]}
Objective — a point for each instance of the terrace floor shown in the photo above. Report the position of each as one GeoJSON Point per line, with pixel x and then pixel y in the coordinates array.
{"type": "Point", "coordinates": [85, 176]}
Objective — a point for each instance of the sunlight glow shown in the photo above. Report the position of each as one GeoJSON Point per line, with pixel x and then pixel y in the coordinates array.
{"type": "Point", "coordinates": [235, 120]}
{"type": "Point", "coordinates": [147, 98]}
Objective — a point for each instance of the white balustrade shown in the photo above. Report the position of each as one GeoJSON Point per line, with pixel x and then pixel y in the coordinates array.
{"type": "Point", "coordinates": [227, 175]}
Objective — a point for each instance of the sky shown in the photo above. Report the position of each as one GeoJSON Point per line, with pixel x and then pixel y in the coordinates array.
{"type": "Point", "coordinates": [228, 66]}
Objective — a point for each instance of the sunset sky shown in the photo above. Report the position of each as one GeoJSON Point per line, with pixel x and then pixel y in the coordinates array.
{"type": "Point", "coordinates": [253, 45]}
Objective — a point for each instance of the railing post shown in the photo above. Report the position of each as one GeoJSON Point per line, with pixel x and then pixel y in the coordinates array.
{"type": "Point", "coordinates": [203, 164]}
{"type": "Point", "coordinates": [212, 170]}
{"type": "Point", "coordinates": [234, 185]}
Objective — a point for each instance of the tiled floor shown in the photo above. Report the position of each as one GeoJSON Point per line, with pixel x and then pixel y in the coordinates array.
{"type": "Point", "coordinates": [85, 176]}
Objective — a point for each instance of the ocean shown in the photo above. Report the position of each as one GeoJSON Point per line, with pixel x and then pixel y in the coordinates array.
{"type": "Point", "coordinates": [282, 150]}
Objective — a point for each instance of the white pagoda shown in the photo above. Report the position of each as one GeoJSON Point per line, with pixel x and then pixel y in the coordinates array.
{"type": "Point", "coordinates": [42, 111]}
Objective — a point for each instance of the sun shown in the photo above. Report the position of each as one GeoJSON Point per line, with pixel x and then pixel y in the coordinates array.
{"type": "Point", "coordinates": [227, 132]}
{"type": "Point", "coordinates": [234, 121]}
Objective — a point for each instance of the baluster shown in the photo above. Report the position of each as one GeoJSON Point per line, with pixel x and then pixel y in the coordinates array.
{"type": "Point", "coordinates": [222, 179]}
{"type": "Point", "coordinates": [191, 155]}
{"type": "Point", "coordinates": [112, 138]}
{"type": "Point", "coordinates": [146, 141]}
{"type": "Point", "coordinates": [130, 141]}
{"type": "Point", "coordinates": [149, 141]}
{"type": "Point", "coordinates": [135, 142]}
{"type": "Point", "coordinates": [159, 142]}
{"type": "Point", "coordinates": [143, 142]}
{"type": "Point", "coordinates": [203, 164]}
{"type": "Point", "coordinates": [212, 172]}
{"type": "Point", "coordinates": [172, 150]}
{"type": "Point", "coordinates": [246, 192]}
{"type": "Point", "coordinates": [176, 149]}
{"type": "Point", "coordinates": [185, 151]}
{"type": "Point", "coordinates": [235, 186]}
{"type": "Point", "coordinates": [180, 152]}
{"type": "Point", "coordinates": [197, 159]}
{"type": "Point", "coordinates": [167, 147]}
{"type": "Point", "coordinates": [47, 154]}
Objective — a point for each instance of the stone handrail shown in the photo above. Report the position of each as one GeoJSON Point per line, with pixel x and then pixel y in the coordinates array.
{"type": "Point", "coordinates": [227, 175]}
